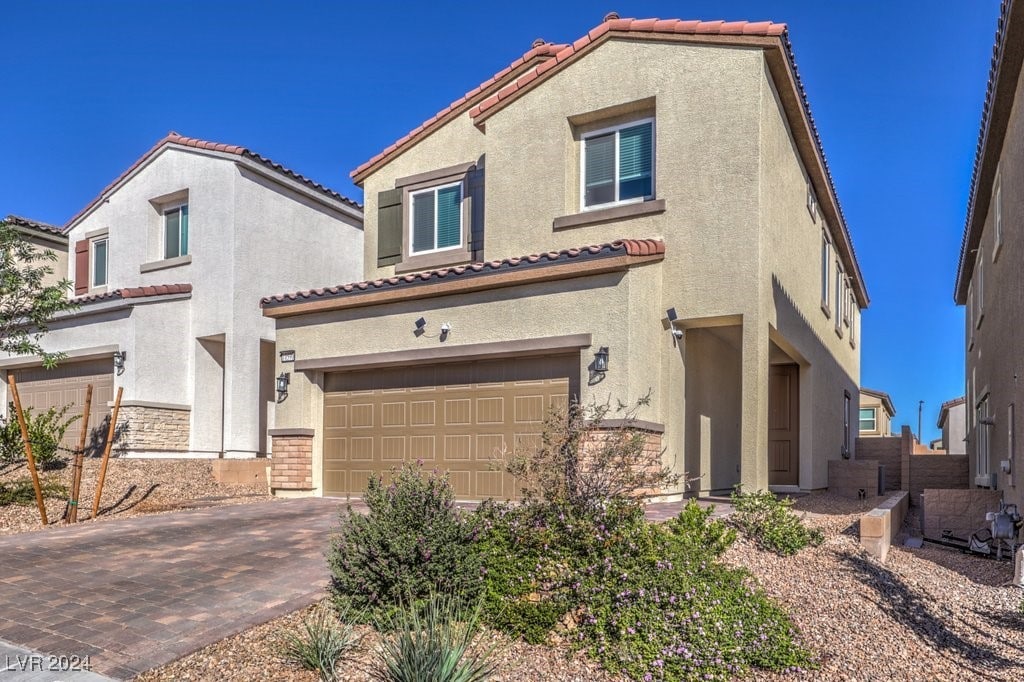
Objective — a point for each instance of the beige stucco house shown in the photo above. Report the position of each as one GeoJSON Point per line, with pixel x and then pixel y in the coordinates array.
{"type": "Point", "coordinates": [876, 413]}
{"type": "Point", "coordinates": [168, 263]}
{"type": "Point", "coordinates": [687, 244]}
{"type": "Point", "coordinates": [44, 237]}
{"type": "Point", "coordinates": [988, 280]}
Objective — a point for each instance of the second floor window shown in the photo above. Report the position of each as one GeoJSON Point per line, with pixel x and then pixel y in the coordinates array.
{"type": "Point", "coordinates": [436, 219]}
{"type": "Point", "coordinates": [176, 231]}
{"type": "Point", "coordinates": [618, 165]}
{"type": "Point", "coordinates": [867, 419]}
{"type": "Point", "coordinates": [99, 263]}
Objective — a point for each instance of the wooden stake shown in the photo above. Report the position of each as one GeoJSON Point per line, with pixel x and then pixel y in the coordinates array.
{"type": "Point", "coordinates": [106, 453]}
{"type": "Point", "coordinates": [76, 481]}
{"type": "Point", "coordinates": [28, 449]}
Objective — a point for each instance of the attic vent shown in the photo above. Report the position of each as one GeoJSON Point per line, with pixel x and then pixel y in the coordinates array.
{"type": "Point", "coordinates": [539, 42]}
{"type": "Point", "coordinates": [611, 16]}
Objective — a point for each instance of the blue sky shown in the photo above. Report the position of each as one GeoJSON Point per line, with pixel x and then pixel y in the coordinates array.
{"type": "Point", "coordinates": [896, 89]}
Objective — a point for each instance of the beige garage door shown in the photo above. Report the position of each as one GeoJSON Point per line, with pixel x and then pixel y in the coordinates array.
{"type": "Point", "coordinates": [41, 389]}
{"type": "Point", "coordinates": [458, 418]}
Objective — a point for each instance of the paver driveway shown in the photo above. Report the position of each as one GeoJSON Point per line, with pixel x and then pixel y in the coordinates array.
{"type": "Point", "coordinates": [136, 593]}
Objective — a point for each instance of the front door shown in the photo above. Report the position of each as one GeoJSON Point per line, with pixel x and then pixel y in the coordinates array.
{"type": "Point", "coordinates": [784, 425]}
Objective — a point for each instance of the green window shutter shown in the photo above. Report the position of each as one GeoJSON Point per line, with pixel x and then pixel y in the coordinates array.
{"type": "Point", "coordinates": [389, 227]}
{"type": "Point", "coordinates": [599, 169]}
{"type": "Point", "coordinates": [423, 222]}
{"type": "Point", "coordinates": [449, 216]}
{"type": "Point", "coordinates": [635, 160]}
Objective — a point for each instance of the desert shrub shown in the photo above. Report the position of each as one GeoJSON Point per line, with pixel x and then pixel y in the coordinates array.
{"type": "Point", "coordinates": [770, 522]}
{"type": "Point", "coordinates": [430, 641]}
{"type": "Point", "coordinates": [413, 542]}
{"type": "Point", "coordinates": [45, 431]}
{"type": "Point", "coordinates": [321, 641]}
{"type": "Point", "coordinates": [584, 462]}
{"type": "Point", "coordinates": [23, 493]}
{"type": "Point", "coordinates": [642, 598]}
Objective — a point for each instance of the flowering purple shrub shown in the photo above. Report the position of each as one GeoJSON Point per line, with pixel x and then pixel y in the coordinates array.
{"type": "Point", "coordinates": [413, 543]}
{"type": "Point", "coordinates": [649, 600]}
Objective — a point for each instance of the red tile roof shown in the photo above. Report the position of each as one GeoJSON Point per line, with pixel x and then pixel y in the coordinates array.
{"type": "Point", "coordinates": [628, 247]}
{"type": "Point", "coordinates": [883, 396]}
{"type": "Point", "coordinates": [1004, 71]}
{"type": "Point", "coordinates": [173, 138]}
{"type": "Point", "coordinates": [539, 52]}
{"type": "Point", "coordinates": [18, 221]}
{"type": "Point", "coordinates": [136, 292]}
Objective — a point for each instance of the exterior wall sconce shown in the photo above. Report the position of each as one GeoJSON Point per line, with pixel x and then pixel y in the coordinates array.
{"type": "Point", "coordinates": [283, 379]}
{"type": "Point", "coordinates": [119, 361]}
{"type": "Point", "coordinates": [601, 360]}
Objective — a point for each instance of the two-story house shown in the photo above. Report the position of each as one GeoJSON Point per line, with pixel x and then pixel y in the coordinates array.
{"type": "Point", "coordinates": [953, 424]}
{"type": "Point", "coordinates": [988, 279]}
{"type": "Point", "coordinates": [876, 413]}
{"type": "Point", "coordinates": [168, 264]}
{"type": "Point", "coordinates": [644, 211]}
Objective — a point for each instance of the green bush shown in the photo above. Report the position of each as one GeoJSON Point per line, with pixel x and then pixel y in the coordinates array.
{"type": "Point", "coordinates": [22, 492]}
{"type": "Point", "coordinates": [320, 643]}
{"type": "Point", "coordinates": [642, 598]}
{"type": "Point", "coordinates": [430, 642]}
{"type": "Point", "coordinates": [413, 542]}
{"type": "Point", "coordinates": [770, 522]}
{"type": "Point", "coordinates": [45, 431]}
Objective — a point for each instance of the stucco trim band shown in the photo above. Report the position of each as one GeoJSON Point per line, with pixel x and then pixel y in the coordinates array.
{"type": "Point", "coordinates": [297, 431]}
{"type": "Point", "coordinates": [154, 405]}
{"type": "Point", "coordinates": [630, 424]}
{"type": "Point", "coordinates": [165, 263]}
{"type": "Point", "coordinates": [92, 353]}
{"type": "Point", "coordinates": [641, 208]}
{"type": "Point", "coordinates": [473, 351]}
{"type": "Point", "coordinates": [461, 285]}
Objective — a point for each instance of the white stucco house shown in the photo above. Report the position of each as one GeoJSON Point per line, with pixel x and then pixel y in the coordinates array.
{"type": "Point", "coordinates": [169, 263]}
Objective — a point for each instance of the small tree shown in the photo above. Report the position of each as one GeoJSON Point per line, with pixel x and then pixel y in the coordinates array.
{"type": "Point", "coordinates": [27, 303]}
{"type": "Point", "coordinates": [585, 461]}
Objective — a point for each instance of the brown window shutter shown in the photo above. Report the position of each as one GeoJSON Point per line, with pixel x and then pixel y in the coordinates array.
{"type": "Point", "coordinates": [389, 227]}
{"type": "Point", "coordinates": [82, 267]}
{"type": "Point", "coordinates": [475, 181]}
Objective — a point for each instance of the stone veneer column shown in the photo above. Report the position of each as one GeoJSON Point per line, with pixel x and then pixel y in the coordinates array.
{"type": "Point", "coordinates": [291, 460]}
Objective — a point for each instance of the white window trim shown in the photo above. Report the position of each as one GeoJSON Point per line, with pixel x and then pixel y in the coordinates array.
{"type": "Point", "coordinates": [970, 316]}
{"type": "Point", "coordinates": [982, 436]}
{"type": "Point", "coordinates": [412, 218]}
{"type": "Point", "coordinates": [839, 298]}
{"type": "Point", "coordinates": [826, 271]}
{"type": "Point", "coordinates": [980, 290]}
{"type": "Point", "coordinates": [583, 165]}
{"type": "Point", "coordinates": [854, 313]}
{"type": "Point", "coordinates": [164, 210]}
{"type": "Point", "coordinates": [812, 203]}
{"type": "Point", "coordinates": [92, 262]}
{"type": "Point", "coordinates": [997, 215]}
{"type": "Point", "coordinates": [874, 419]}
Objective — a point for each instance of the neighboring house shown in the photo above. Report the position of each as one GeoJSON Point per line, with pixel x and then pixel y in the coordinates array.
{"type": "Point", "coordinates": [953, 423]}
{"type": "Point", "coordinates": [936, 445]}
{"type": "Point", "coordinates": [876, 413]}
{"type": "Point", "coordinates": [988, 280]}
{"type": "Point", "coordinates": [168, 264]}
{"type": "Point", "coordinates": [688, 245]}
{"type": "Point", "coordinates": [47, 238]}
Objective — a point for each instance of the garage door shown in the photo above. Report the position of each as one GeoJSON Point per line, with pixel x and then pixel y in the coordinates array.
{"type": "Point", "coordinates": [457, 417]}
{"type": "Point", "coordinates": [41, 389]}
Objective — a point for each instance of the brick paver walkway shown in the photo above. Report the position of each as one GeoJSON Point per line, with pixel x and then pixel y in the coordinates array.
{"type": "Point", "coordinates": [133, 594]}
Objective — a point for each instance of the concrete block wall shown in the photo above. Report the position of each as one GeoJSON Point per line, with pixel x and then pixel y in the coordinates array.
{"type": "Point", "coordinates": [847, 477]}
{"type": "Point", "coordinates": [959, 511]}
{"type": "Point", "coordinates": [937, 471]}
{"type": "Point", "coordinates": [880, 526]}
{"type": "Point", "coordinates": [241, 471]}
{"type": "Point", "coordinates": [888, 451]}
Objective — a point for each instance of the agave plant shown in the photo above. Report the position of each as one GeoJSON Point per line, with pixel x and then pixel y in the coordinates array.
{"type": "Point", "coordinates": [430, 641]}
{"type": "Point", "coordinates": [322, 640]}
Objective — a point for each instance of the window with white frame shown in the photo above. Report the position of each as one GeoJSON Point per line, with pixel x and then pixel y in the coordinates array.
{"type": "Point", "coordinates": [812, 203]}
{"type": "Point", "coordinates": [846, 302]}
{"type": "Point", "coordinates": [176, 231]}
{"type": "Point", "coordinates": [854, 314]}
{"type": "Point", "coordinates": [826, 267]}
{"type": "Point", "coordinates": [981, 443]}
{"type": "Point", "coordinates": [617, 165]}
{"type": "Point", "coordinates": [436, 219]}
{"type": "Point", "coordinates": [997, 215]}
{"type": "Point", "coordinates": [979, 312]}
{"type": "Point", "coordinates": [99, 262]}
{"type": "Point", "coordinates": [847, 439]}
{"type": "Point", "coordinates": [839, 297]}
{"type": "Point", "coordinates": [869, 419]}
{"type": "Point", "coordinates": [970, 315]}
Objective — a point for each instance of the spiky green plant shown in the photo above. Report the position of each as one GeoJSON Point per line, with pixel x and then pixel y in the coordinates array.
{"type": "Point", "coordinates": [321, 641]}
{"type": "Point", "coordinates": [430, 643]}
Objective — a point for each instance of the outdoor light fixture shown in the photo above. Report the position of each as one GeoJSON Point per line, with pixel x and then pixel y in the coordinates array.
{"type": "Point", "coordinates": [119, 361]}
{"type": "Point", "coordinates": [601, 360]}
{"type": "Point", "coordinates": [283, 379]}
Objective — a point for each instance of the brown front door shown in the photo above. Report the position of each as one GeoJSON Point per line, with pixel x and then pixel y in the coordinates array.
{"type": "Point", "coordinates": [784, 425]}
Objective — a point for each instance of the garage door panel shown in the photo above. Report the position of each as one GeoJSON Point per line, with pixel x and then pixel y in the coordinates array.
{"type": "Point", "coordinates": [463, 418]}
{"type": "Point", "coordinates": [41, 389]}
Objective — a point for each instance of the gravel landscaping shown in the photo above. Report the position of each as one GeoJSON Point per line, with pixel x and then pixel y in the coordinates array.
{"type": "Point", "coordinates": [133, 487]}
{"type": "Point", "coordinates": [928, 614]}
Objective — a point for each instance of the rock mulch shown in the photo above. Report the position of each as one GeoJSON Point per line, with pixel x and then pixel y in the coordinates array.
{"type": "Point", "coordinates": [133, 487]}
{"type": "Point", "coordinates": [928, 614]}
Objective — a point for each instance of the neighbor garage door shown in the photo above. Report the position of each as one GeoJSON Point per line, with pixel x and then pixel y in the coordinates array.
{"type": "Point", "coordinates": [66, 384]}
{"type": "Point", "coordinates": [458, 418]}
